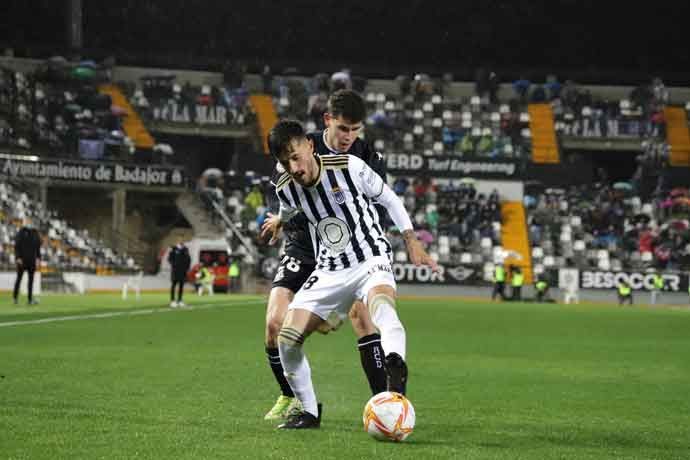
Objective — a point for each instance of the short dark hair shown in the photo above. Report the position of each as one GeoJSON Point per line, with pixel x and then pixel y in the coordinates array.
{"type": "Point", "coordinates": [348, 104]}
{"type": "Point", "coordinates": [282, 134]}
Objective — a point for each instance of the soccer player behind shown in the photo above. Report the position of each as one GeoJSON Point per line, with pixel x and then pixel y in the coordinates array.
{"type": "Point", "coordinates": [335, 193]}
{"type": "Point", "coordinates": [344, 120]}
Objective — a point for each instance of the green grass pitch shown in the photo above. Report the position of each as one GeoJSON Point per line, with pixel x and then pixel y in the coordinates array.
{"type": "Point", "coordinates": [488, 381]}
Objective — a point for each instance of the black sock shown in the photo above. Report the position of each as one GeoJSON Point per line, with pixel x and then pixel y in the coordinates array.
{"type": "Point", "coordinates": [371, 354]}
{"type": "Point", "coordinates": [277, 368]}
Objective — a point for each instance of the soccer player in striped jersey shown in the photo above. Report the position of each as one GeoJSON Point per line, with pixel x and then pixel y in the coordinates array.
{"type": "Point", "coordinates": [344, 121]}
{"type": "Point", "coordinates": [336, 193]}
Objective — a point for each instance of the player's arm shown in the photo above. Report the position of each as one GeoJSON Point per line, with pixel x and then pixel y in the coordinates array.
{"type": "Point", "coordinates": [273, 223]}
{"type": "Point", "coordinates": [373, 186]}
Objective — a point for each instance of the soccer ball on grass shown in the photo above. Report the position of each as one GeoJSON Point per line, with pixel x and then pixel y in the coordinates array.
{"type": "Point", "coordinates": [389, 416]}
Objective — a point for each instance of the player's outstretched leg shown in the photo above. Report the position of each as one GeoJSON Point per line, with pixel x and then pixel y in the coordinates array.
{"type": "Point", "coordinates": [369, 345]}
{"type": "Point", "coordinates": [393, 337]}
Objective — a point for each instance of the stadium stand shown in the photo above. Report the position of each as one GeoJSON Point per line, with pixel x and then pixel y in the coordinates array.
{"type": "Point", "coordinates": [64, 248]}
{"type": "Point", "coordinates": [609, 227]}
{"type": "Point", "coordinates": [57, 110]}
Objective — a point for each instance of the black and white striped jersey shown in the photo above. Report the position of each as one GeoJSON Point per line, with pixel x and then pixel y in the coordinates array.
{"type": "Point", "coordinates": [339, 205]}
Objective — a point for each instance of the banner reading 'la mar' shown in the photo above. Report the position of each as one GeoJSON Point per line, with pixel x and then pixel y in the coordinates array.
{"type": "Point", "coordinates": [84, 171]}
{"type": "Point", "coordinates": [452, 166]}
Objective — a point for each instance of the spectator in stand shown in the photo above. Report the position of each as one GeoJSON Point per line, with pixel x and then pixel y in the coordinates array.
{"type": "Point", "coordinates": [521, 87]}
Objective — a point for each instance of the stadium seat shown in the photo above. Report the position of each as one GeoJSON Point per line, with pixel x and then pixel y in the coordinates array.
{"type": "Point", "coordinates": [646, 256]}
{"type": "Point", "coordinates": [579, 245]}
{"type": "Point", "coordinates": [466, 258]}
{"type": "Point", "coordinates": [401, 256]}
{"type": "Point", "coordinates": [538, 269]}
{"type": "Point", "coordinates": [604, 264]}
{"type": "Point", "coordinates": [549, 261]}
{"type": "Point", "coordinates": [537, 252]}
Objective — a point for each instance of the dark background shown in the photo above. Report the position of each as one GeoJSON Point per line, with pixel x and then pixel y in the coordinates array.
{"type": "Point", "coordinates": [591, 42]}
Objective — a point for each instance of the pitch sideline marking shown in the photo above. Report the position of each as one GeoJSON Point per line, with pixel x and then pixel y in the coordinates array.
{"type": "Point", "coordinates": [148, 311]}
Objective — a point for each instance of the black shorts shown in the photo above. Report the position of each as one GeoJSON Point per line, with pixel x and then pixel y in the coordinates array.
{"type": "Point", "coordinates": [292, 273]}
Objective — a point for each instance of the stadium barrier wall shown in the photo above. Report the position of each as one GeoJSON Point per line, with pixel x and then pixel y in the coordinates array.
{"type": "Point", "coordinates": [88, 282]}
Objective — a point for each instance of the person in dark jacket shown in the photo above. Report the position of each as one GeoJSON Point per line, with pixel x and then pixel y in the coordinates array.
{"type": "Point", "coordinates": [27, 252]}
{"type": "Point", "coordinates": [179, 266]}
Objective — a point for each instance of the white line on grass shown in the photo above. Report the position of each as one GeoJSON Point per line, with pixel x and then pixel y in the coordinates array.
{"type": "Point", "coordinates": [126, 313]}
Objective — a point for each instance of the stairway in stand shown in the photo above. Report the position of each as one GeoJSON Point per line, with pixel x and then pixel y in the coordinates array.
{"type": "Point", "coordinates": [133, 125]}
{"type": "Point", "coordinates": [514, 237]}
{"type": "Point", "coordinates": [541, 125]}
{"type": "Point", "coordinates": [198, 216]}
{"type": "Point", "coordinates": [677, 135]}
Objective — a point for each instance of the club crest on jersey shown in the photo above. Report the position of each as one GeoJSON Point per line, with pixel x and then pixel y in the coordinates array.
{"type": "Point", "coordinates": [339, 195]}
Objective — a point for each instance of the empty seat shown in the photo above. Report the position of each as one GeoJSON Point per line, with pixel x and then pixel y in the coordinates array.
{"type": "Point", "coordinates": [537, 252]}
{"type": "Point", "coordinates": [604, 264]}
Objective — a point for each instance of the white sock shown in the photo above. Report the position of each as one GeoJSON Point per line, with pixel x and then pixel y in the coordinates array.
{"type": "Point", "coordinates": [298, 375]}
{"type": "Point", "coordinates": [393, 337]}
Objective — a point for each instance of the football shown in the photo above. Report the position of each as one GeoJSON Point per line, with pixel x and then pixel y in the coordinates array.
{"type": "Point", "coordinates": [389, 416]}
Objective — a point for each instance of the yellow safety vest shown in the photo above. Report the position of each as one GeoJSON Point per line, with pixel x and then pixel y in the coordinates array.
{"type": "Point", "coordinates": [500, 274]}
{"type": "Point", "coordinates": [518, 279]}
{"type": "Point", "coordinates": [624, 290]}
